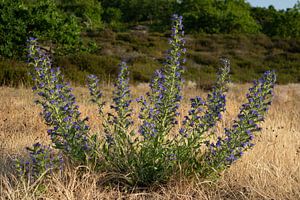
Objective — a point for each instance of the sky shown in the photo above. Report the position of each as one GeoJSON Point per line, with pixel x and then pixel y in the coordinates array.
{"type": "Point", "coordinates": [278, 4]}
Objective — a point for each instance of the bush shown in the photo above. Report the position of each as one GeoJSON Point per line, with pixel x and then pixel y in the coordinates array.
{"type": "Point", "coordinates": [113, 16]}
{"type": "Point", "coordinates": [40, 19]}
{"type": "Point", "coordinates": [157, 150]}
{"type": "Point", "coordinates": [209, 16]}
{"type": "Point", "coordinates": [88, 12]}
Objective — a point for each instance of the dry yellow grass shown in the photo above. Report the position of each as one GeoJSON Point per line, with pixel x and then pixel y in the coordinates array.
{"type": "Point", "coordinates": [271, 170]}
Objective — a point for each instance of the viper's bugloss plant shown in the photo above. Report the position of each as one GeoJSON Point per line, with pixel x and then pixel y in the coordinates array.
{"type": "Point", "coordinates": [160, 147]}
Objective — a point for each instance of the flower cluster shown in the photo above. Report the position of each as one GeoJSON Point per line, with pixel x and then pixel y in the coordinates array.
{"type": "Point", "coordinates": [42, 159]}
{"type": "Point", "coordinates": [151, 153]}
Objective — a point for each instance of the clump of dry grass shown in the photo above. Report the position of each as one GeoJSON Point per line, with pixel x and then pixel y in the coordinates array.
{"type": "Point", "coordinates": [271, 170]}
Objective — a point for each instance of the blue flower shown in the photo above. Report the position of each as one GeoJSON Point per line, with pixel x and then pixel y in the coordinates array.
{"type": "Point", "coordinates": [239, 138]}
{"type": "Point", "coordinates": [55, 93]}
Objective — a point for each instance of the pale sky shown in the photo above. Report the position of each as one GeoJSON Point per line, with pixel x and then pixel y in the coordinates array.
{"type": "Point", "coordinates": [278, 4]}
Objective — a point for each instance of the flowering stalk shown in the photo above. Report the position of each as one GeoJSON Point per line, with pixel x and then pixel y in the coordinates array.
{"type": "Point", "coordinates": [239, 138]}
{"type": "Point", "coordinates": [68, 132]}
{"type": "Point", "coordinates": [216, 99]}
{"type": "Point", "coordinates": [159, 111]}
{"type": "Point", "coordinates": [202, 116]}
{"type": "Point", "coordinates": [159, 115]}
{"type": "Point", "coordinates": [122, 100]}
{"type": "Point", "coordinates": [96, 94]}
{"type": "Point", "coordinates": [119, 143]}
{"type": "Point", "coordinates": [197, 123]}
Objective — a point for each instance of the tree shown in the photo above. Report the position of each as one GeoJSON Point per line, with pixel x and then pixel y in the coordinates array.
{"type": "Point", "coordinates": [283, 23]}
{"type": "Point", "coordinates": [219, 16]}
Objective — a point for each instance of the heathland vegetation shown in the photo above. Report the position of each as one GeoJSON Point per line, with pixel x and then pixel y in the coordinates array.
{"type": "Point", "coordinates": [92, 36]}
{"type": "Point", "coordinates": [143, 139]}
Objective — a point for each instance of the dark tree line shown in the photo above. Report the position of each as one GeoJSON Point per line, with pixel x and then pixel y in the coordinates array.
{"type": "Point", "coordinates": [62, 21]}
{"type": "Point", "coordinates": [208, 16]}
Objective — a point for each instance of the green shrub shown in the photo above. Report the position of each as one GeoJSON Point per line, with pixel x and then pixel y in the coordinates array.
{"type": "Point", "coordinates": [42, 19]}
{"type": "Point", "coordinates": [88, 12]}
